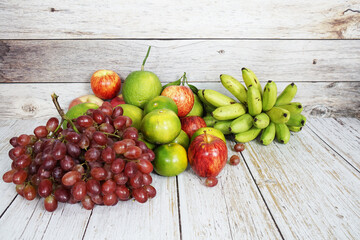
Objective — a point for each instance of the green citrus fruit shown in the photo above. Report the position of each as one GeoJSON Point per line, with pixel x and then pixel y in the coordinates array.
{"type": "Point", "coordinates": [160, 102]}
{"type": "Point", "coordinates": [79, 110]}
{"type": "Point", "coordinates": [135, 113]}
{"type": "Point", "coordinates": [170, 159]}
{"type": "Point", "coordinates": [160, 126]}
{"type": "Point", "coordinates": [209, 130]}
{"type": "Point", "coordinates": [197, 109]}
{"type": "Point", "coordinates": [148, 144]}
{"type": "Point", "coordinates": [182, 139]}
{"type": "Point", "coordinates": [140, 87]}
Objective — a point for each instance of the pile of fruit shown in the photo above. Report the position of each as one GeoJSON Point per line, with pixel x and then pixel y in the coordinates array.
{"type": "Point", "coordinates": [104, 149]}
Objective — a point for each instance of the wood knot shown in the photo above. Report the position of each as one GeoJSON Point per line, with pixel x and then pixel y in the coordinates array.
{"type": "Point", "coordinates": [221, 51]}
{"type": "Point", "coordinates": [314, 61]}
{"type": "Point", "coordinates": [29, 108]}
{"type": "Point", "coordinates": [320, 111]}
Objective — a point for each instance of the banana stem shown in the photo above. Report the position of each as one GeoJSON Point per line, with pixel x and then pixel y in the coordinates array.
{"type": "Point", "coordinates": [147, 54]}
{"type": "Point", "coordinates": [54, 98]}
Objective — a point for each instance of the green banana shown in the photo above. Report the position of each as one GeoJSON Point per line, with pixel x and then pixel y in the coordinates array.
{"type": "Point", "coordinates": [247, 136]}
{"type": "Point", "coordinates": [241, 124]}
{"type": "Point", "coordinates": [234, 87]}
{"type": "Point", "coordinates": [208, 107]}
{"type": "Point", "coordinates": [209, 120]}
{"type": "Point", "coordinates": [294, 128]}
{"type": "Point", "coordinates": [261, 120]}
{"type": "Point", "coordinates": [223, 126]}
{"type": "Point", "coordinates": [282, 133]}
{"type": "Point", "coordinates": [229, 112]}
{"type": "Point", "coordinates": [217, 99]}
{"type": "Point", "coordinates": [268, 134]}
{"type": "Point", "coordinates": [269, 95]}
{"type": "Point", "coordinates": [254, 100]}
{"type": "Point", "coordinates": [278, 115]}
{"type": "Point", "coordinates": [250, 78]}
{"type": "Point", "coordinates": [293, 107]}
{"type": "Point", "coordinates": [287, 95]}
{"type": "Point", "coordinates": [297, 120]}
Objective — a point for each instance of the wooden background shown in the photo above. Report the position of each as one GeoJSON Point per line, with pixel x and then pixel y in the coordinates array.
{"type": "Point", "coordinates": [307, 189]}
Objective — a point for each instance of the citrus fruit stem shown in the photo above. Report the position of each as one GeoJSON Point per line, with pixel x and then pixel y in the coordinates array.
{"type": "Point", "coordinates": [54, 98]}
{"type": "Point", "coordinates": [147, 54]}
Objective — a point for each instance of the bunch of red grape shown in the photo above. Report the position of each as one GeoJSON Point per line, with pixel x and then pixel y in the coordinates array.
{"type": "Point", "coordinates": [97, 159]}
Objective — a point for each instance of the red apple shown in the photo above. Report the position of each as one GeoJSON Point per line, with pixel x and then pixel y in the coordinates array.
{"type": "Point", "coordinates": [191, 124]}
{"type": "Point", "coordinates": [86, 99]}
{"type": "Point", "coordinates": [105, 84]}
{"type": "Point", "coordinates": [182, 96]}
{"type": "Point", "coordinates": [117, 100]}
{"type": "Point", "coordinates": [207, 155]}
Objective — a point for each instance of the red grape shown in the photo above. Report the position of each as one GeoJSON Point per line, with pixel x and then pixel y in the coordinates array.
{"type": "Point", "coordinates": [137, 180]}
{"type": "Point", "coordinates": [98, 173]}
{"type": "Point", "coordinates": [140, 195]}
{"type": "Point", "coordinates": [239, 147]}
{"type": "Point", "coordinates": [93, 186]}
{"type": "Point", "coordinates": [20, 176]}
{"type": "Point", "coordinates": [122, 192]}
{"type": "Point", "coordinates": [8, 176]}
{"type": "Point", "coordinates": [100, 138]}
{"type": "Point", "coordinates": [234, 160]}
{"type": "Point", "coordinates": [117, 166]}
{"type": "Point", "coordinates": [41, 132]}
{"type": "Point", "coordinates": [117, 111]}
{"type": "Point", "coordinates": [132, 152]}
{"type": "Point", "coordinates": [52, 124]}
{"type": "Point", "coordinates": [85, 121]}
{"type": "Point", "coordinates": [92, 155]}
{"type": "Point", "coordinates": [73, 137]}
{"type": "Point", "coordinates": [108, 187]}
{"type": "Point", "coordinates": [29, 192]}
{"type": "Point", "coordinates": [211, 181]}
{"type": "Point", "coordinates": [151, 191]}
{"type": "Point", "coordinates": [130, 169]}
{"type": "Point", "coordinates": [45, 188]}
{"type": "Point", "coordinates": [110, 199]}
{"type": "Point", "coordinates": [20, 189]}
{"type": "Point", "coordinates": [98, 116]}
{"type": "Point", "coordinates": [50, 203]}
{"type": "Point", "coordinates": [120, 178]}
{"type": "Point", "coordinates": [144, 166]}
{"type": "Point", "coordinates": [62, 195]}
{"type": "Point", "coordinates": [23, 140]}
{"type": "Point", "coordinates": [108, 155]}
{"type": "Point", "coordinates": [87, 203]}
{"type": "Point", "coordinates": [147, 179]}
{"type": "Point", "coordinates": [70, 178]}
{"type": "Point", "coordinates": [78, 190]}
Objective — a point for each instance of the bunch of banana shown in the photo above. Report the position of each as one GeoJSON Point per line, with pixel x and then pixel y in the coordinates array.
{"type": "Point", "coordinates": [256, 112]}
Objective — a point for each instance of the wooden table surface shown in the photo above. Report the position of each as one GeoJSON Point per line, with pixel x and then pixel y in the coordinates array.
{"type": "Point", "coordinates": [306, 189]}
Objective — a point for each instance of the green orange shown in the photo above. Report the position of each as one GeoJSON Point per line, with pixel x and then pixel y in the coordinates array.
{"type": "Point", "coordinates": [160, 102]}
{"type": "Point", "coordinates": [160, 126]}
{"type": "Point", "coordinates": [170, 159]}
{"type": "Point", "coordinates": [182, 139]}
{"type": "Point", "coordinates": [135, 113]}
{"type": "Point", "coordinates": [209, 130]}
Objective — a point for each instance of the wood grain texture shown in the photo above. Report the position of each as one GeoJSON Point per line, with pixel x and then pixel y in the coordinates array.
{"type": "Point", "coordinates": [156, 219]}
{"type": "Point", "coordinates": [233, 209]}
{"type": "Point", "coordinates": [311, 191]}
{"type": "Point", "coordinates": [184, 19]}
{"type": "Point", "coordinates": [342, 134]}
{"type": "Point", "coordinates": [29, 101]}
{"type": "Point", "coordinates": [203, 60]}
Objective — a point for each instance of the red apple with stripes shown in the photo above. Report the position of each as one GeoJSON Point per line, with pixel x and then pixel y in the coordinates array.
{"type": "Point", "coordinates": [105, 84]}
{"type": "Point", "coordinates": [191, 124]}
{"type": "Point", "coordinates": [182, 96]}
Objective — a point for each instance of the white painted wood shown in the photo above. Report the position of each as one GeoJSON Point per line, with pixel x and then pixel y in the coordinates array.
{"type": "Point", "coordinates": [183, 19]}
{"type": "Point", "coordinates": [311, 191]}
{"type": "Point", "coordinates": [157, 218]}
{"type": "Point", "coordinates": [233, 209]}
{"type": "Point", "coordinates": [342, 134]}
{"type": "Point", "coordinates": [202, 60]}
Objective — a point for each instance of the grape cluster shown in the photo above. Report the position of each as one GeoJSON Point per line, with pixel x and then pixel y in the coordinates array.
{"type": "Point", "coordinates": [97, 159]}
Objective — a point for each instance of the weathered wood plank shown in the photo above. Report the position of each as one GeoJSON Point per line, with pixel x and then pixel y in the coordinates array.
{"type": "Point", "coordinates": [185, 19]}
{"type": "Point", "coordinates": [233, 209]}
{"type": "Point", "coordinates": [156, 219]}
{"type": "Point", "coordinates": [30, 101]}
{"type": "Point", "coordinates": [342, 135]}
{"type": "Point", "coordinates": [203, 60]}
{"type": "Point", "coordinates": [310, 190]}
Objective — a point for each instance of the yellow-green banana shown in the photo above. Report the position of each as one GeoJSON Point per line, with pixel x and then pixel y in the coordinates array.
{"type": "Point", "coordinates": [209, 120]}
{"type": "Point", "coordinates": [250, 78]}
{"type": "Point", "coordinates": [241, 124]}
{"type": "Point", "coordinates": [234, 87]}
{"type": "Point", "coordinates": [229, 112]}
{"type": "Point", "coordinates": [208, 107]}
{"type": "Point", "coordinates": [254, 100]}
{"type": "Point", "coordinates": [223, 126]}
{"type": "Point", "coordinates": [247, 136]}
{"type": "Point", "coordinates": [269, 95]}
{"type": "Point", "coordinates": [282, 132]}
{"type": "Point", "coordinates": [268, 134]}
{"type": "Point", "coordinates": [217, 99]}
{"type": "Point", "coordinates": [278, 115]}
{"type": "Point", "coordinates": [287, 95]}
{"type": "Point", "coordinates": [293, 107]}
{"type": "Point", "coordinates": [294, 128]}
{"type": "Point", "coordinates": [298, 120]}
{"type": "Point", "coordinates": [261, 120]}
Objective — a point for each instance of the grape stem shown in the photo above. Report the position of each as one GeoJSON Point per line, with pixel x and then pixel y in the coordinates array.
{"type": "Point", "coordinates": [54, 98]}
{"type": "Point", "coordinates": [110, 134]}
{"type": "Point", "coordinates": [147, 54]}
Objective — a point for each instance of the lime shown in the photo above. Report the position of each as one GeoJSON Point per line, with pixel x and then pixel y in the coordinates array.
{"type": "Point", "coordinates": [197, 109]}
{"type": "Point", "coordinates": [140, 87]}
{"type": "Point", "coordinates": [160, 126]}
{"type": "Point", "coordinates": [79, 110]}
{"type": "Point", "coordinates": [182, 139]}
{"type": "Point", "coordinates": [170, 159]}
{"type": "Point", "coordinates": [133, 112]}
{"type": "Point", "coordinates": [209, 130]}
{"type": "Point", "coordinates": [160, 102]}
